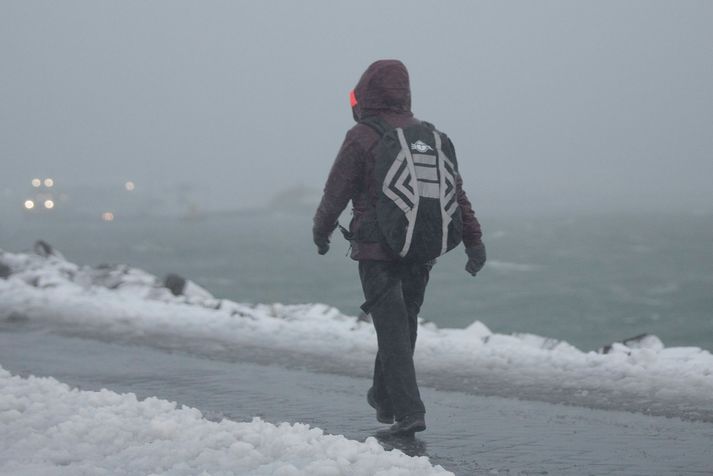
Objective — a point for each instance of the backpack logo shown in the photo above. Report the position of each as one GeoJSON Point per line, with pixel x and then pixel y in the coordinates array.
{"type": "Point", "coordinates": [420, 146]}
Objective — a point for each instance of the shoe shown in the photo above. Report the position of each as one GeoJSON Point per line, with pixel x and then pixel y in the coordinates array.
{"type": "Point", "coordinates": [408, 425]}
{"type": "Point", "coordinates": [382, 415]}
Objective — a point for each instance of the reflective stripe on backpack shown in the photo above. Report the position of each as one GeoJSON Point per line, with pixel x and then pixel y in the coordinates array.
{"type": "Point", "coordinates": [417, 211]}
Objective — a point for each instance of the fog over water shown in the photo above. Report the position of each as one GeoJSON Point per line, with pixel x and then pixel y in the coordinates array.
{"type": "Point", "coordinates": [555, 105]}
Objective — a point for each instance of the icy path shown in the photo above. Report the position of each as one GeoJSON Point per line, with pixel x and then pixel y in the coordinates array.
{"type": "Point", "coordinates": [467, 434]}
{"type": "Point", "coordinates": [122, 303]}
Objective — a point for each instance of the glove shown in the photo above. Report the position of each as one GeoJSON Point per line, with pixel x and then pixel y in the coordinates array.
{"type": "Point", "coordinates": [322, 244]}
{"type": "Point", "coordinates": [476, 258]}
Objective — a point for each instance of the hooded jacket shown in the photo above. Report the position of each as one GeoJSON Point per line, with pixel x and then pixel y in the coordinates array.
{"type": "Point", "coordinates": [382, 90]}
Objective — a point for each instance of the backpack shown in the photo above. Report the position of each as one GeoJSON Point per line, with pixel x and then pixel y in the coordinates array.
{"type": "Point", "coordinates": [417, 209]}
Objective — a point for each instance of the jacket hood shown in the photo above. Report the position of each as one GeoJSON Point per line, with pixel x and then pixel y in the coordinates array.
{"type": "Point", "coordinates": [383, 87]}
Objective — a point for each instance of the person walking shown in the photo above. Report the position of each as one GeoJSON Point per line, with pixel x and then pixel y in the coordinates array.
{"type": "Point", "coordinates": [408, 207]}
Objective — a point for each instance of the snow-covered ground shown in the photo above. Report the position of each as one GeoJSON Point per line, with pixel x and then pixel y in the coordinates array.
{"type": "Point", "coordinates": [122, 302]}
{"type": "Point", "coordinates": [48, 428]}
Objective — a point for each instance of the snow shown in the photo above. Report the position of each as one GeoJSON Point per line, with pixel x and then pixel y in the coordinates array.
{"type": "Point", "coordinates": [128, 303]}
{"type": "Point", "coordinates": [46, 427]}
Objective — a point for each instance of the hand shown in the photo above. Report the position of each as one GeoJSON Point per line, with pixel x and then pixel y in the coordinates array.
{"type": "Point", "coordinates": [476, 258]}
{"type": "Point", "coordinates": [322, 245]}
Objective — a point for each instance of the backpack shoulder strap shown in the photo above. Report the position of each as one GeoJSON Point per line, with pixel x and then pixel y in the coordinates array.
{"type": "Point", "coordinates": [429, 125]}
{"type": "Point", "coordinates": [377, 123]}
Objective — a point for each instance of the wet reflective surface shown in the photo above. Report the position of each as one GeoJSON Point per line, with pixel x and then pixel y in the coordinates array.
{"type": "Point", "coordinates": [467, 434]}
{"type": "Point", "coordinates": [472, 379]}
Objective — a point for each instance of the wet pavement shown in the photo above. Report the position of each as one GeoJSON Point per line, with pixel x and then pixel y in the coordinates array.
{"type": "Point", "coordinates": [467, 434]}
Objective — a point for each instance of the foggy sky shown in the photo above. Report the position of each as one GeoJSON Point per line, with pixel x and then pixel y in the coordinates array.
{"type": "Point", "coordinates": [551, 105]}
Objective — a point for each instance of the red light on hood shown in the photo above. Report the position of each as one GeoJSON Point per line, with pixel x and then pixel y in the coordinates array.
{"type": "Point", "coordinates": [352, 98]}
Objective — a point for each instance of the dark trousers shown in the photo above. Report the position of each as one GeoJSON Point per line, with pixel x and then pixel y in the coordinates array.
{"type": "Point", "coordinates": [394, 294]}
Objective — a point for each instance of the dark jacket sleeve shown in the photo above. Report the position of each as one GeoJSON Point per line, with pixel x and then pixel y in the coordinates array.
{"type": "Point", "coordinates": [472, 234]}
{"type": "Point", "coordinates": [340, 187]}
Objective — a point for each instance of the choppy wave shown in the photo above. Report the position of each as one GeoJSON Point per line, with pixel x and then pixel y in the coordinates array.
{"type": "Point", "coordinates": [507, 267]}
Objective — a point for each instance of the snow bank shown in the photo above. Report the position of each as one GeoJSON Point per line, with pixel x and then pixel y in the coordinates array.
{"type": "Point", "coordinates": [122, 302]}
{"type": "Point", "coordinates": [48, 428]}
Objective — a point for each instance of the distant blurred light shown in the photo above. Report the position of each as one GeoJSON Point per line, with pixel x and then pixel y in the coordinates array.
{"type": "Point", "coordinates": [49, 204]}
{"type": "Point", "coordinates": [108, 216]}
{"type": "Point", "coordinates": [36, 182]}
{"type": "Point", "coordinates": [29, 204]}
{"type": "Point", "coordinates": [49, 182]}
{"type": "Point", "coordinates": [130, 186]}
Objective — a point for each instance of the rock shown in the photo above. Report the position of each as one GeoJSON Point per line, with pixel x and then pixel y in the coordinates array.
{"type": "Point", "coordinates": [175, 283]}
{"type": "Point", "coordinates": [636, 342]}
{"type": "Point", "coordinates": [42, 248]}
{"type": "Point", "coordinates": [5, 271]}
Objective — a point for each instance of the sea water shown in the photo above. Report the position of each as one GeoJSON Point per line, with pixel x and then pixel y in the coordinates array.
{"type": "Point", "coordinates": [587, 279]}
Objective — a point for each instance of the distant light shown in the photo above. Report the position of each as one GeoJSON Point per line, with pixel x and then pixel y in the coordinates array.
{"type": "Point", "coordinates": [29, 204]}
{"type": "Point", "coordinates": [49, 182]}
{"type": "Point", "coordinates": [108, 216]}
{"type": "Point", "coordinates": [36, 182]}
{"type": "Point", "coordinates": [49, 204]}
{"type": "Point", "coordinates": [130, 186]}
